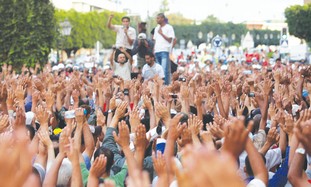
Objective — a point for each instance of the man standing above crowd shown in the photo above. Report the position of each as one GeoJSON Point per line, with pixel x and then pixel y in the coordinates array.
{"type": "Point", "coordinates": [125, 35]}
{"type": "Point", "coordinates": [164, 36]}
{"type": "Point", "coordinates": [141, 45]}
{"type": "Point", "coordinates": [151, 69]}
{"type": "Point", "coordinates": [122, 67]}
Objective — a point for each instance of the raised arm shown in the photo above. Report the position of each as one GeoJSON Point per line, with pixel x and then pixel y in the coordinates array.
{"type": "Point", "coordinates": [127, 55]}
{"type": "Point", "coordinates": [109, 25]}
{"type": "Point", "coordinates": [296, 174]}
{"type": "Point", "coordinates": [256, 162]}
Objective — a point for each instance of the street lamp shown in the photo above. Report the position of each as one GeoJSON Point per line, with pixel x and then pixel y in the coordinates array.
{"type": "Point", "coordinates": [65, 30]}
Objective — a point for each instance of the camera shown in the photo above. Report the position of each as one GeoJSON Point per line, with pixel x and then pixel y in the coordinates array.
{"type": "Point", "coordinates": [251, 94]}
{"type": "Point", "coordinates": [182, 79]}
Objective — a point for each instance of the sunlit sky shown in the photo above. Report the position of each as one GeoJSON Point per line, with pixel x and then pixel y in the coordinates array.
{"type": "Point", "coordinates": [226, 10]}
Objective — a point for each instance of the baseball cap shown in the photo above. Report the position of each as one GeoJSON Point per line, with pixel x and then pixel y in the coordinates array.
{"type": "Point", "coordinates": [142, 36]}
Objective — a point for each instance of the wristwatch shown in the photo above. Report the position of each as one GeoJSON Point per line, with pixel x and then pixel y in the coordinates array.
{"type": "Point", "coordinates": [300, 151]}
{"type": "Point", "coordinates": [109, 111]}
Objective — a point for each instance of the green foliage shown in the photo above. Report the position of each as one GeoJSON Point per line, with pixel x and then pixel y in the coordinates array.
{"type": "Point", "coordinates": [211, 19]}
{"type": "Point", "coordinates": [179, 19]}
{"type": "Point", "coordinates": [164, 6]}
{"type": "Point", "coordinates": [298, 19]}
{"type": "Point", "coordinates": [87, 28]}
{"type": "Point", "coordinates": [27, 31]}
{"type": "Point", "coordinates": [190, 32]}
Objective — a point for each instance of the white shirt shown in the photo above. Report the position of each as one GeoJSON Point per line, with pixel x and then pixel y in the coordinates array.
{"type": "Point", "coordinates": [273, 157]}
{"type": "Point", "coordinates": [256, 183]}
{"type": "Point", "coordinates": [149, 72]}
{"type": "Point", "coordinates": [124, 71]}
{"type": "Point", "coordinates": [162, 45]}
{"type": "Point", "coordinates": [121, 40]}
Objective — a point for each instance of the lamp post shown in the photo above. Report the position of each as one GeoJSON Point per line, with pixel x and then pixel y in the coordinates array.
{"type": "Point", "coordinates": [65, 30]}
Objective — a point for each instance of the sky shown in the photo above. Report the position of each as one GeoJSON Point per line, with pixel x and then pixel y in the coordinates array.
{"type": "Point", "coordinates": [236, 11]}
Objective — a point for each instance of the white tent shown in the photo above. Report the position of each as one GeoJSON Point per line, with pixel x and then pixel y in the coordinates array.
{"type": "Point", "coordinates": [248, 41]}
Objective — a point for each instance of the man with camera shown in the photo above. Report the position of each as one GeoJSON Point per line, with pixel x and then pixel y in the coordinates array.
{"type": "Point", "coordinates": [125, 35]}
{"type": "Point", "coordinates": [141, 46]}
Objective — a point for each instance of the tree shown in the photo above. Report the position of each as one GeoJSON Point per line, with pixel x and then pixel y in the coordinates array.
{"type": "Point", "coordinates": [211, 19]}
{"type": "Point", "coordinates": [87, 29]}
{"type": "Point", "coordinates": [298, 20]}
{"type": "Point", "coordinates": [164, 6]}
{"type": "Point", "coordinates": [27, 31]}
{"type": "Point", "coordinates": [178, 19]}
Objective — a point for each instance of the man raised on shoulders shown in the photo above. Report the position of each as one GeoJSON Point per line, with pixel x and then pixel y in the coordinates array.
{"type": "Point", "coordinates": [125, 34]}
{"type": "Point", "coordinates": [122, 67]}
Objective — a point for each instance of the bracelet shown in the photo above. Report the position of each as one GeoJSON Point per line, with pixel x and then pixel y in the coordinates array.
{"type": "Point", "coordinates": [126, 92]}
{"type": "Point", "coordinates": [300, 151]}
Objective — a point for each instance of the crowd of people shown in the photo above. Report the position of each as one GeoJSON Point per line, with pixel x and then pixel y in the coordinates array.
{"type": "Point", "coordinates": [221, 127]}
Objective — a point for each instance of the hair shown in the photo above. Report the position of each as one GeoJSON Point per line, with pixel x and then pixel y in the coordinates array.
{"type": "Point", "coordinates": [149, 53]}
{"type": "Point", "coordinates": [109, 155]}
{"type": "Point", "coordinates": [161, 15]}
{"type": "Point", "coordinates": [248, 166]}
{"type": "Point", "coordinates": [87, 108]}
{"type": "Point", "coordinates": [126, 17]}
{"type": "Point", "coordinates": [31, 131]}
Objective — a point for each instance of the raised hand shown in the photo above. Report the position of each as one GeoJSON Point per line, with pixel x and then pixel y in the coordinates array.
{"type": "Point", "coordinates": [20, 120]}
{"type": "Point", "coordinates": [162, 111]}
{"type": "Point", "coordinates": [185, 138]}
{"type": "Point", "coordinates": [141, 141]}
{"type": "Point", "coordinates": [303, 133]}
{"type": "Point", "coordinates": [240, 110]}
{"type": "Point", "coordinates": [101, 119]}
{"type": "Point", "coordinates": [4, 122]}
{"type": "Point", "coordinates": [288, 126]}
{"type": "Point", "coordinates": [75, 95]}
{"type": "Point", "coordinates": [147, 102]}
{"type": "Point", "coordinates": [134, 119]}
{"type": "Point", "coordinates": [80, 118]}
{"type": "Point", "coordinates": [175, 127]}
{"type": "Point", "coordinates": [20, 93]}
{"type": "Point", "coordinates": [112, 103]}
{"type": "Point", "coordinates": [273, 136]}
{"type": "Point", "coordinates": [215, 129]}
{"type": "Point", "coordinates": [236, 136]}
{"type": "Point", "coordinates": [121, 109]}
{"type": "Point", "coordinates": [98, 167]}
{"type": "Point", "coordinates": [45, 138]}
{"type": "Point", "coordinates": [123, 139]}
{"type": "Point", "coordinates": [50, 99]}
{"type": "Point", "coordinates": [159, 164]}
{"type": "Point", "coordinates": [42, 116]}
{"type": "Point", "coordinates": [195, 125]}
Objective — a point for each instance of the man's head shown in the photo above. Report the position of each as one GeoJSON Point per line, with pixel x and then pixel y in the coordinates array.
{"type": "Point", "coordinates": [161, 18]}
{"type": "Point", "coordinates": [121, 58]}
{"type": "Point", "coordinates": [126, 21]}
{"type": "Point", "coordinates": [278, 62]}
{"type": "Point", "coordinates": [108, 154]}
{"type": "Point", "coordinates": [149, 58]}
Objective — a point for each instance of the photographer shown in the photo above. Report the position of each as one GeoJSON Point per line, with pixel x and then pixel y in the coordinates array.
{"type": "Point", "coordinates": [141, 46]}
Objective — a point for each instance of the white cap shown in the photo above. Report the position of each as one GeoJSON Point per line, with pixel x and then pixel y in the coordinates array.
{"type": "Point", "coordinates": [55, 68]}
{"type": "Point", "coordinates": [61, 66]}
{"type": "Point", "coordinates": [142, 36]}
{"type": "Point", "coordinates": [68, 66]}
{"type": "Point", "coordinates": [224, 67]}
